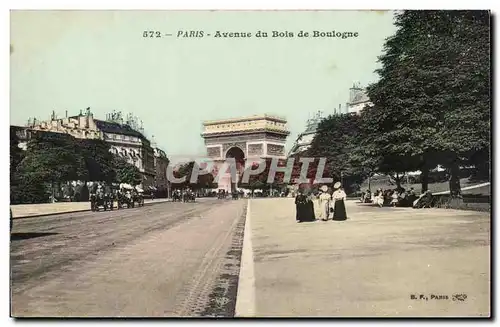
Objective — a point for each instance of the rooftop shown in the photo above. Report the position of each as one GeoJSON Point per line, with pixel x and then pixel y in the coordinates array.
{"type": "Point", "coordinates": [115, 128]}
{"type": "Point", "coordinates": [243, 119]}
{"type": "Point", "coordinates": [360, 98]}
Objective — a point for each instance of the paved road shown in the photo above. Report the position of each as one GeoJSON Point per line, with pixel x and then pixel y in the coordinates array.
{"type": "Point", "coordinates": [167, 259]}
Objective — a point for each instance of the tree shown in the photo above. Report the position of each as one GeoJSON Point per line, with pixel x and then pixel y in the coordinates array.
{"type": "Point", "coordinates": [432, 98]}
{"type": "Point", "coordinates": [336, 140]}
{"type": "Point", "coordinates": [16, 153]}
{"type": "Point", "coordinates": [51, 158]}
{"type": "Point", "coordinates": [125, 172]}
{"type": "Point", "coordinates": [16, 156]}
{"type": "Point", "coordinates": [28, 189]}
{"type": "Point", "coordinates": [99, 161]}
{"type": "Point", "coordinates": [203, 181]}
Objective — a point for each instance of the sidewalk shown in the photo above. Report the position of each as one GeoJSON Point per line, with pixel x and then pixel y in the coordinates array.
{"type": "Point", "coordinates": [369, 265]}
{"type": "Point", "coordinates": [45, 209]}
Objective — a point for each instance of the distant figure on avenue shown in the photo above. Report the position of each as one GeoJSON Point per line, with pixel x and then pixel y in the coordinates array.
{"type": "Point", "coordinates": [324, 203]}
{"type": "Point", "coordinates": [395, 197]}
{"type": "Point", "coordinates": [379, 199]}
{"type": "Point", "coordinates": [339, 197]}
{"type": "Point", "coordinates": [303, 208]}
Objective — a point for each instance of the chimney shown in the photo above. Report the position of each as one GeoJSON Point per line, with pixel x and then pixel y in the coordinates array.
{"type": "Point", "coordinates": [66, 113]}
{"type": "Point", "coordinates": [34, 122]}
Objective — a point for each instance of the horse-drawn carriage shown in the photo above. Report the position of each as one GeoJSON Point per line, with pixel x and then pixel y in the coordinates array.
{"type": "Point", "coordinates": [101, 199]}
{"type": "Point", "coordinates": [128, 196]}
{"type": "Point", "coordinates": [138, 196]}
{"type": "Point", "coordinates": [189, 196]}
{"type": "Point", "coordinates": [221, 194]}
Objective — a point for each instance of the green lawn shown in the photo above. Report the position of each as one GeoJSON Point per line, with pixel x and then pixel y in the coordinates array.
{"type": "Point", "coordinates": [383, 182]}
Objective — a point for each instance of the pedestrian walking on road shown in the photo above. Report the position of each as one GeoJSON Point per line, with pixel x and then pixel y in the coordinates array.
{"type": "Point", "coordinates": [324, 203]}
{"type": "Point", "coordinates": [339, 198]}
{"type": "Point", "coordinates": [303, 208]}
{"type": "Point", "coordinates": [310, 202]}
{"type": "Point", "coordinates": [300, 207]}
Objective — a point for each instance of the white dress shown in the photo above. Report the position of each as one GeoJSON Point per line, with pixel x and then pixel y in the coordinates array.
{"type": "Point", "coordinates": [394, 198]}
{"type": "Point", "coordinates": [324, 205]}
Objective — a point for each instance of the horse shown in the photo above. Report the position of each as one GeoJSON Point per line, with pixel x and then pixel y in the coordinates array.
{"type": "Point", "coordinates": [176, 197]}
{"type": "Point", "coordinates": [188, 197]}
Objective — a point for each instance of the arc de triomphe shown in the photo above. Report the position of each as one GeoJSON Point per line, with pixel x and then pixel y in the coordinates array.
{"type": "Point", "coordinates": [245, 139]}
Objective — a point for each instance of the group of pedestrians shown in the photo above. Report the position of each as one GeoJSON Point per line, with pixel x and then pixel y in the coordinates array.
{"type": "Point", "coordinates": [398, 197]}
{"type": "Point", "coordinates": [330, 205]}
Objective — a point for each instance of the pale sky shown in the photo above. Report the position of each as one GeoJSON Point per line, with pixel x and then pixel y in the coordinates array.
{"type": "Point", "coordinates": [71, 60]}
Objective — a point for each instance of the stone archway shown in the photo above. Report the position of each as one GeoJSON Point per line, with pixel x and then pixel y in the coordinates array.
{"type": "Point", "coordinates": [243, 138]}
{"type": "Point", "coordinates": [239, 157]}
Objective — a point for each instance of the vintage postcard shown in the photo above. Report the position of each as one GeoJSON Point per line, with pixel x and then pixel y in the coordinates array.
{"type": "Point", "coordinates": [222, 163]}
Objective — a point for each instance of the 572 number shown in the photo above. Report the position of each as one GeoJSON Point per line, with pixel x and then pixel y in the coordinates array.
{"type": "Point", "coordinates": [151, 34]}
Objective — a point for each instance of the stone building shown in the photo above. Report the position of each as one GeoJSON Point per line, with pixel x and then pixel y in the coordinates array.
{"type": "Point", "coordinates": [358, 99]}
{"type": "Point", "coordinates": [161, 162]}
{"type": "Point", "coordinates": [246, 139]}
{"type": "Point", "coordinates": [124, 138]}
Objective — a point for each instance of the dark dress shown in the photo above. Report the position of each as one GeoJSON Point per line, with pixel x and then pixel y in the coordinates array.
{"type": "Point", "coordinates": [312, 215]}
{"type": "Point", "coordinates": [339, 210]}
{"type": "Point", "coordinates": [302, 206]}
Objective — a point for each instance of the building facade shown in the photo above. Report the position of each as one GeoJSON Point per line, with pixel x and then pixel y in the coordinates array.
{"type": "Point", "coordinates": [124, 140]}
{"type": "Point", "coordinates": [358, 99]}
{"type": "Point", "coordinates": [161, 163]}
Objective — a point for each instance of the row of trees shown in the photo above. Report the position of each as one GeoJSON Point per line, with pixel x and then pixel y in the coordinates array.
{"type": "Point", "coordinates": [52, 159]}
{"type": "Point", "coordinates": [205, 181]}
{"type": "Point", "coordinates": [431, 105]}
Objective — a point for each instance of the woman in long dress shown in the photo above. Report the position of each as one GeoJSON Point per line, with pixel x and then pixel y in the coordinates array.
{"type": "Point", "coordinates": [339, 197]}
{"type": "Point", "coordinates": [302, 207]}
{"type": "Point", "coordinates": [324, 203]}
{"type": "Point", "coordinates": [310, 202]}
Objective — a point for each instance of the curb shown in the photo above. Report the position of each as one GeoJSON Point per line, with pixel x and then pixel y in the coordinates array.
{"type": "Point", "coordinates": [73, 211]}
{"type": "Point", "coordinates": [245, 295]}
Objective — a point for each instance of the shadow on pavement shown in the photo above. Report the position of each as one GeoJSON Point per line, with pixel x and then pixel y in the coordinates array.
{"type": "Point", "coordinates": [25, 236]}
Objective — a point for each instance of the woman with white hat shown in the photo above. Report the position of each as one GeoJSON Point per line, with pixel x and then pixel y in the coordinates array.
{"type": "Point", "coordinates": [339, 197]}
{"type": "Point", "coordinates": [324, 203]}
